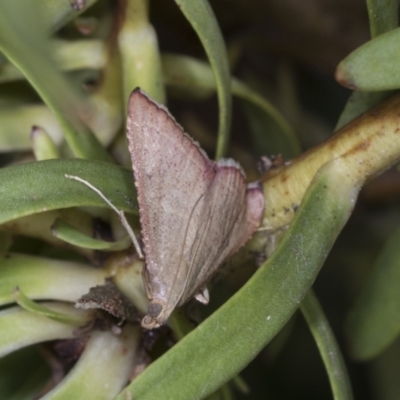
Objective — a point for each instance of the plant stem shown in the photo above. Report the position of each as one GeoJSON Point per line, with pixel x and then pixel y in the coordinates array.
{"type": "Point", "coordinates": [138, 46]}
{"type": "Point", "coordinates": [328, 347]}
{"type": "Point", "coordinates": [368, 146]}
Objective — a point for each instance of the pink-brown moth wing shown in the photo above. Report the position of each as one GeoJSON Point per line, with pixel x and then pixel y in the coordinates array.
{"type": "Point", "coordinates": [194, 212]}
{"type": "Point", "coordinates": [231, 212]}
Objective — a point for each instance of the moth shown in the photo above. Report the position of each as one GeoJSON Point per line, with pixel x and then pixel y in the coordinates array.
{"type": "Point", "coordinates": [194, 212]}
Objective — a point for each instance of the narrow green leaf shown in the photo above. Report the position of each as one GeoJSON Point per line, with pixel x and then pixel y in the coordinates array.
{"type": "Point", "coordinates": [69, 234]}
{"type": "Point", "coordinates": [39, 309]}
{"type": "Point", "coordinates": [105, 102]}
{"type": "Point", "coordinates": [209, 356]}
{"type": "Point", "coordinates": [10, 73]}
{"type": "Point", "coordinates": [103, 368]}
{"type": "Point", "coordinates": [203, 21]}
{"type": "Point", "coordinates": [38, 226]}
{"type": "Point", "coordinates": [188, 74]}
{"type": "Point", "coordinates": [328, 347]}
{"type": "Point", "coordinates": [383, 16]}
{"type": "Point", "coordinates": [374, 65]}
{"type": "Point", "coordinates": [69, 56]}
{"type": "Point", "coordinates": [41, 186]}
{"type": "Point", "coordinates": [20, 328]}
{"type": "Point", "coordinates": [274, 134]}
{"type": "Point", "coordinates": [373, 323]}
{"type": "Point", "coordinates": [43, 278]}
{"type": "Point", "coordinates": [23, 41]}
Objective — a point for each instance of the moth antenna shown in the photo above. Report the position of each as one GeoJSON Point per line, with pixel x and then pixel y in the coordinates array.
{"type": "Point", "coordinates": [120, 213]}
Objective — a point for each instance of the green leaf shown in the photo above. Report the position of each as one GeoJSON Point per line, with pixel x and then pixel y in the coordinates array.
{"type": "Point", "coordinates": [69, 55]}
{"type": "Point", "coordinates": [41, 186]}
{"type": "Point", "coordinates": [373, 323]}
{"type": "Point", "coordinates": [373, 66]}
{"type": "Point", "coordinates": [383, 16]}
{"type": "Point", "coordinates": [23, 41]}
{"type": "Point", "coordinates": [43, 278]}
{"type": "Point", "coordinates": [254, 315]}
{"type": "Point", "coordinates": [105, 102]}
{"type": "Point", "coordinates": [69, 234]}
{"type": "Point", "coordinates": [39, 309]}
{"type": "Point", "coordinates": [38, 226]}
{"type": "Point", "coordinates": [188, 74]}
{"type": "Point", "coordinates": [20, 328]}
{"type": "Point", "coordinates": [203, 21]}
{"type": "Point", "coordinates": [327, 346]}
{"type": "Point", "coordinates": [103, 368]}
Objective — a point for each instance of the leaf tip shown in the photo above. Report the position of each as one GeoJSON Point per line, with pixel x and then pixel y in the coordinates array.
{"type": "Point", "coordinates": [343, 77]}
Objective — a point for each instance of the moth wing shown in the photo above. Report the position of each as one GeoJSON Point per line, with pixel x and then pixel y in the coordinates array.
{"type": "Point", "coordinates": [231, 212]}
{"type": "Point", "coordinates": [171, 176]}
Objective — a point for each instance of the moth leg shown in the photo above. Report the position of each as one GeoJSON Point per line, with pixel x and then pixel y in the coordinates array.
{"type": "Point", "coordinates": [203, 296]}
{"type": "Point", "coordinates": [120, 213]}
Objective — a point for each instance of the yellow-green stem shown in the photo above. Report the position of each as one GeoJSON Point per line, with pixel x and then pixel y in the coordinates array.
{"type": "Point", "coordinates": [368, 145]}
